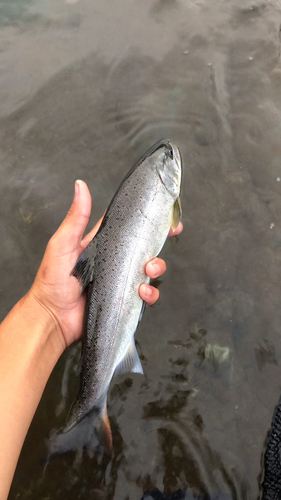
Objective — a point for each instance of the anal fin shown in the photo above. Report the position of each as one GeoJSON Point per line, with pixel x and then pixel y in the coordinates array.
{"type": "Point", "coordinates": [130, 361]}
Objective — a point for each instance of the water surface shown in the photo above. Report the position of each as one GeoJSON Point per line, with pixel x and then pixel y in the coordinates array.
{"type": "Point", "coordinates": [85, 88]}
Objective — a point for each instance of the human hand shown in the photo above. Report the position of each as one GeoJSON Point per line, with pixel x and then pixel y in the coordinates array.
{"type": "Point", "coordinates": [56, 289]}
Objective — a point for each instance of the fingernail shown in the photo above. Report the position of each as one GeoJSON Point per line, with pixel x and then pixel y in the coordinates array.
{"type": "Point", "coordinates": [147, 290]}
{"type": "Point", "coordinates": [156, 268]}
{"type": "Point", "coordinates": [77, 188]}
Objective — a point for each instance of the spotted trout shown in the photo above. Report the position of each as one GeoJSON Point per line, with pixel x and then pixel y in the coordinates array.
{"type": "Point", "coordinates": [112, 268]}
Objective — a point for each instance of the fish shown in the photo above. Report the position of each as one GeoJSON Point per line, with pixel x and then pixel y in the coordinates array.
{"type": "Point", "coordinates": [111, 269]}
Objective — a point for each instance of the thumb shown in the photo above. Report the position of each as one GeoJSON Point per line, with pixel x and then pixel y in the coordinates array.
{"type": "Point", "coordinates": [75, 223]}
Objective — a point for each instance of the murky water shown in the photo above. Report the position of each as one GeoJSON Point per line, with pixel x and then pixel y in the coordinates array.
{"type": "Point", "coordinates": [85, 88]}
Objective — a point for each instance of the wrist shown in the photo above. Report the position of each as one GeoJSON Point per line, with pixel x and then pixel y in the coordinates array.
{"type": "Point", "coordinates": [38, 313]}
{"type": "Point", "coordinates": [35, 335]}
{"type": "Point", "coordinates": [30, 345]}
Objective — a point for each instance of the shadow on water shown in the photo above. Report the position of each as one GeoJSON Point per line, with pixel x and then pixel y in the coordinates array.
{"type": "Point", "coordinates": [188, 459]}
{"type": "Point", "coordinates": [87, 476]}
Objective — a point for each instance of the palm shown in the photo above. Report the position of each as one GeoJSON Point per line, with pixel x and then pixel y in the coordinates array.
{"type": "Point", "coordinates": [59, 290]}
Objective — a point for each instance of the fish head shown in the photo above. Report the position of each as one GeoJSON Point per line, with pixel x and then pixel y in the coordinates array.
{"type": "Point", "coordinates": [169, 168]}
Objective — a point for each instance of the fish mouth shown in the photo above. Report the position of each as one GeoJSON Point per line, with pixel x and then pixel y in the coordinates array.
{"type": "Point", "coordinates": [168, 165]}
{"type": "Point", "coordinates": [176, 155]}
{"type": "Point", "coordinates": [171, 150]}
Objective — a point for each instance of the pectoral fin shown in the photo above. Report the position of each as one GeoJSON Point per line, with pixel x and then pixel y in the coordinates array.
{"type": "Point", "coordinates": [176, 214]}
{"type": "Point", "coordinates": [84, 267]}
{"type": "Point", "coordinates": [130, 362]}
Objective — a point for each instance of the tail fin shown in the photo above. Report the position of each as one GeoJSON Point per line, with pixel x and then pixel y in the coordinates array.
{"type": "Point", "coordinates": [105, 433]}
{"type": "Point", "coordinates": [92, 433]}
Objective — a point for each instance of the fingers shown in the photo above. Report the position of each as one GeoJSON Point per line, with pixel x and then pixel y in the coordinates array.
{"type": "Point", "coordinates": [155, 268]}
{"type": "Point", "coordinates": [149, 294]}
{"type": "Point", "coordinates": [75, 223]}
{"type": "Point", "coordinates": [177, 231]}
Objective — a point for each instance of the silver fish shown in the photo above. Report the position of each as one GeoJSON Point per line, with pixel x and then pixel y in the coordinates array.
{"type": "Point", "coordinates": [112, 267]}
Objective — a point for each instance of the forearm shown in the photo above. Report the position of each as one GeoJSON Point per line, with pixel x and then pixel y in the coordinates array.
{"type": "Point", "coordinates": [30, 345]}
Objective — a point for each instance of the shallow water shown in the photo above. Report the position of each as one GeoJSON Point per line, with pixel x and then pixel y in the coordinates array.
{"type": "Point", "coordinates": [85, 88]}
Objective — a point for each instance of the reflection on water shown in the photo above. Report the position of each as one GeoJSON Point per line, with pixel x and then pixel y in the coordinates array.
{"type": "Point", "coordinates": [84, 91]}
{"type": "Point", "coordinates": [13, 11]}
